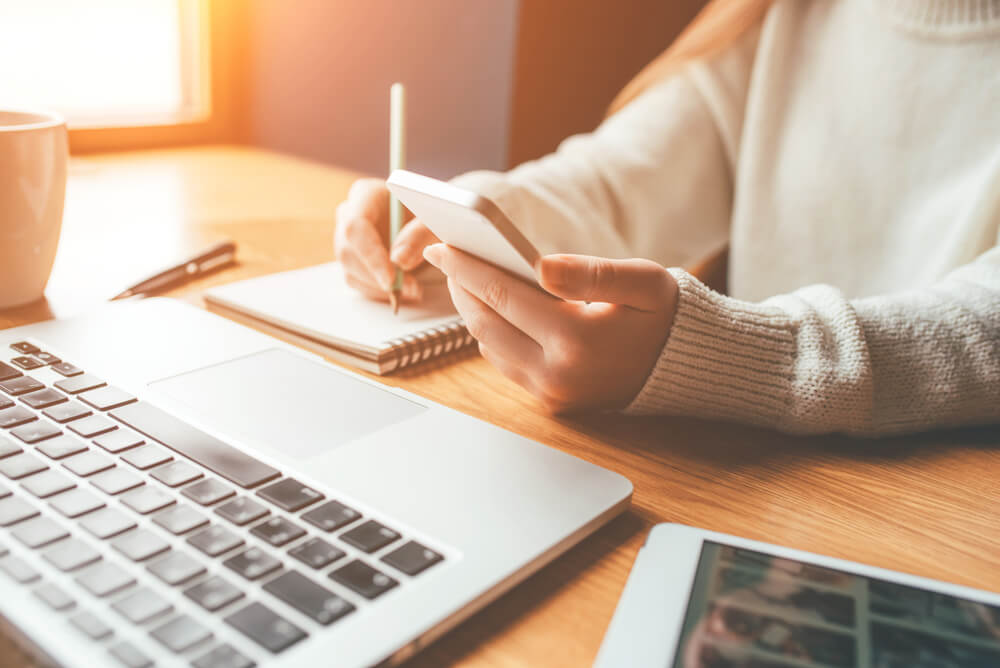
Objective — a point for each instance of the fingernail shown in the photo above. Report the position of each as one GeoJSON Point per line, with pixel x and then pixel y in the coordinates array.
{"type": "Point", "coordinates": [387, 280]}
{"type": "Point", "coordinates": [433, 254]}
{"type": "Point", "coordinates": [555, 271]}
{"type": "Point", "coordinates": [396, 254]}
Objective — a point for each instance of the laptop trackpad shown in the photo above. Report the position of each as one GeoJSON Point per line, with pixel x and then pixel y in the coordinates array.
{"type": "Point", "coordinates": [287, 402]}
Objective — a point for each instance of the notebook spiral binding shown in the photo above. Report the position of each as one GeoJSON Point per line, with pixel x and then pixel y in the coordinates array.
{"type": "Point", "coordinates": [429, 343]}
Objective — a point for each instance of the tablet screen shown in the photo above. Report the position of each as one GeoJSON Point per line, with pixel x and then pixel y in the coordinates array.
{"type": "Point", "coordinates": [753, 610]}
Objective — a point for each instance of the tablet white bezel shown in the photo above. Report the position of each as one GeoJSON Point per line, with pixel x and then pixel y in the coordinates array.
{"type": "Point", "coordinates": [647, 624]}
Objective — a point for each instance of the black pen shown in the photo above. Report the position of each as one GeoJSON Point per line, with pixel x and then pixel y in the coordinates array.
{"type": "Point", "coordinates": [216, 256]}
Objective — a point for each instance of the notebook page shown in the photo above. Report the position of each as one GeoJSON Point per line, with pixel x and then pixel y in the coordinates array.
{"type": "Point", "coordinates": [316, 301]}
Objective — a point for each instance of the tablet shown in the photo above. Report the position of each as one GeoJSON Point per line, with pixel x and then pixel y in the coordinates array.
{"type": "Point", "coordinates": [697, 599]}
{"type": "Point", "coordinates": [467, 221]}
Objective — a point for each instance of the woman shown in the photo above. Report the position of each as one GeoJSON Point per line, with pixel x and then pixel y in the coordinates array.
{"type": "Point", "coordinates": [849, 153]}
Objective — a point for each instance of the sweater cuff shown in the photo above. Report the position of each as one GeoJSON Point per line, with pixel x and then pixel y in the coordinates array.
{"type": "Point", "coordinates": [724, 359]}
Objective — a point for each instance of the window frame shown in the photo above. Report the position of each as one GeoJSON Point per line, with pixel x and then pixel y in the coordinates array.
{"type": "Point", "coordinates": [212, 116]}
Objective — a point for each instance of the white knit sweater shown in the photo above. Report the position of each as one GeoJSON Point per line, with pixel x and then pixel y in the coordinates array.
{"type": "Point", "coordinates": [849, 153]}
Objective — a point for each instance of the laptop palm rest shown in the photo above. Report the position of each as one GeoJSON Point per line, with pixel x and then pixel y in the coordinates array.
{"type": "Point", "coordinates": [277, 397]}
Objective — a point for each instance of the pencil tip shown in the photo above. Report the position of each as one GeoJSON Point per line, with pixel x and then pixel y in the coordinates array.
{"type": "Point", "coordinates": [394, 300]}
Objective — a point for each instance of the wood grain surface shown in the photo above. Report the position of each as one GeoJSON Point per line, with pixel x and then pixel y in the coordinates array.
{"type": "Point", "coordinates": [926, 504]}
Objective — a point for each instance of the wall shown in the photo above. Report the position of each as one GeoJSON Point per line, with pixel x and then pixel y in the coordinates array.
{"type": "Point", "coordinates": [491, 82]}
{"type": "Point", "coordinates": [320, 73]}
{"type": "Point", "coordinates": [573, 56]}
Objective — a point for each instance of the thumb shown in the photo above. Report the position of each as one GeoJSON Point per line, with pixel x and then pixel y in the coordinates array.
{"type": "Point", "coordinates": [641, 284]}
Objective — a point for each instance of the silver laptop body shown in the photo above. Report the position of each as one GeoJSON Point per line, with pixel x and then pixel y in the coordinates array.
{"type": "Point", "coordinates": [178, 489]}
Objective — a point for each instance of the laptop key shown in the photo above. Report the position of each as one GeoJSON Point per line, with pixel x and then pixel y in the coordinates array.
{"type": "Point", "coordinates": [119, 440]}
{"type": "Point", "coordinates": [309, 598]}
{"type": "Point", "coordinates": [46, 358]}
{"type": "Point", "coordinates": [54, 596]}
{"type": "Point", "coordinates": [4, 492]}
{"type": "Point", "coordinates": [214, 593]}
{"type": "Point", "coordinates": [253, 563]}
{"type": "Point", "coordinates": [14, 510]}
{"type": "Point", "coordinates": [147, 457]}
{"type": "Point", "coordinates": [67, 411]}
{"type": "Point", "coordinates": [116, 480]}
{"type": "Point", "coordinates": [61, 446]}
{"type": "Point", "coordinates": [208, 491]}
{"type": "Point", "coordinates": [48, 483]}
{"type": "Point", "coordinates": [142, 605]}
{"type": "Point", "coordinates": [176, 474]}
{"type": "Point", "coordinates": [278, 531]}
{"type": "Point", "coordinates": [290, 494]}
{"type": "Point", "coordinates": [219, 457]}
{"type": "Point", "coordinates": [67, 369]}
{"type": "Point", "coordinates": [71, 554]}
{"type": "Point", "coordinates": [266, 628]}
{"type": "Point", "coordinates": [412, 558]}
{"type": "Point", "coordinates": [8, 447]}
{"type": "Point", "coordinates": [181, 634]}
{"type": "Point", "coordinates": [242, 511]}
{"type": "Point", "coordinates": [215, 540]}
{"type": "Point", "coordinates": [76, 502]}
{"type": "Point", "coordinates": [180, 519]}
{"type": "Point", "coordinates": [370, 536]}
{"type": "Point", "coordinates": [91, 625]}
{"type": "Point", "coordinates": [79, 383]}
{"type": "Point", "coordinates": [176, 568]}
{"type": "Point", "coordinates": [25, 347]}
{"type": "Point", "coordinates": [107, 522]}
{"type": "Point", "coordinates": [146, 499]}
{"type": "Point", "coordinates": [130, 656]}
{"type": "Point", "coordinates": [12, 417]}
{"type": "Point", "coordinates": [91, 426]}
{"type": "Point", "coordinates": [363, 579]}
{"type": "Point", "coordinates": [105, 398]}
{"type": "Point", "coordinates": [140, 545]}
{"type": "Point", "coordinates": [36, 431]}
{"type": "Point", "coordinates": [44, 398]}
{"type": "Point", "coordinates": [5, 402]}
{"type": "Point", "coordinates": [7, 371]}
{"type": "Point", "coordinates": [21, 466]}
{"type": "Point", "coordinates": [223, 656]}
{"type": "Point", "coordinates": [316, 553]}
{"type": "Point", "coordinates": [39, 532]}
{"type": "Point", "coordinates": [104, 579]}
{"type": "Point", "coordinates": [19, 570]}
{"type": "Point", "coordinates": [331, 516]}
{"type": "Point", "coordinates": [88, 463]}
{"type": "Point", "coordinates": [21, 385]}
{"type": "Point", "coordinates": [26, 363]}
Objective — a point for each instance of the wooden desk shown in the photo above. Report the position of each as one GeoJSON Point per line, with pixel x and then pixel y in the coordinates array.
{"type": "Point", "coordinates": [928, 505]}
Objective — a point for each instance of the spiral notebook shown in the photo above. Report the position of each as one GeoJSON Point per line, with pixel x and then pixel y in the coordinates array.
{"type": "Point", "coordinates": [315, 308]}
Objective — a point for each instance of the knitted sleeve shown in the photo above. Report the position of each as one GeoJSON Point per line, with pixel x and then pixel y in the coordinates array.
{"type": "Point", "coordinates": [811, 361]}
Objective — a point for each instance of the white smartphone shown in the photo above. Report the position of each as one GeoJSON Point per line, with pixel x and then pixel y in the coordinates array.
{"type": "Point", "coordinates": [698, 599]}
{"type": "Point", "coordinates": [467, 221]}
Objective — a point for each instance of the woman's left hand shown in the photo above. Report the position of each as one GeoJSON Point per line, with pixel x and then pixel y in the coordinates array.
{"type": "Point", "coordinates": [595, 350]}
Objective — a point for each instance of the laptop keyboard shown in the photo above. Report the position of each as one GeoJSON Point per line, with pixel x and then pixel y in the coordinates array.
{"type": "Point", "coordinates": [176, 509]}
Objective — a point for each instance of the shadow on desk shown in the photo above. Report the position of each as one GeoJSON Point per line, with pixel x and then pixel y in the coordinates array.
{"type": "Point", "coordinates": [515, 605]}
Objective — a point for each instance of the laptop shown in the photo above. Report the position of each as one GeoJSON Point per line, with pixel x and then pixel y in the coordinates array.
{"type": "Point", "coordinates": [179, 490]}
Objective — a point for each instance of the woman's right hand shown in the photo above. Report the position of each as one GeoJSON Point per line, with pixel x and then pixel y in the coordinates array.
{"type": "Point", "coordinates": [361, 243]}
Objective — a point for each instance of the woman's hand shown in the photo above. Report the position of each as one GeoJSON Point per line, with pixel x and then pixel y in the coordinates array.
{"type": "Point", "coordinates": [570, 354]}
{"type": "Point", "coordinates": [361, 241]}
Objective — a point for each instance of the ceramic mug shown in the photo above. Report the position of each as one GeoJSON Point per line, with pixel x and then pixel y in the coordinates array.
{"type": "Point", "coordinates": [33, 156]}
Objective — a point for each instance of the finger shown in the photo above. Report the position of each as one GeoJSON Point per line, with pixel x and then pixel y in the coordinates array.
{"type": "Point", "coordinates": [367, 198]}
{"type": "Point", "coordinates": [641, 284]}
{"type": "Point", "coordinates": [362, 237]}
{"type": "Point", "coordinates": [526, 308]}
{"type": "Point", "coordinates": [367, 289]}
{"type": "Point", "coordinates": [408, 249]}
{"type": "Point", "coordinates": [487, 327]}
{"type": "Point", "coordinates": [359, 275]}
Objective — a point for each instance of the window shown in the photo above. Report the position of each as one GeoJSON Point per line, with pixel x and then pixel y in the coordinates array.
{"type": "Point", "coordinates": [107, 63]}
